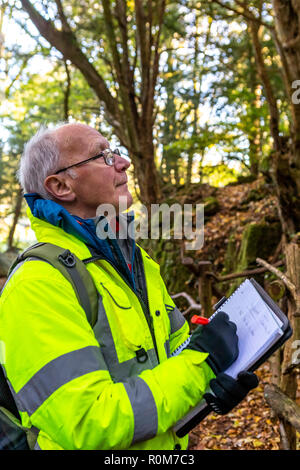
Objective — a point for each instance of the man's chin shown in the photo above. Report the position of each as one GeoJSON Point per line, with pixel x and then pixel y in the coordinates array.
{"type": "Point", "coordinates": [118, 205]}
{"type": "Point", "coordinates": [124, 203]}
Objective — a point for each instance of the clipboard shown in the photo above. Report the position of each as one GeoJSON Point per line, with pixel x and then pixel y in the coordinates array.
{"type": "Point", "coordinates": [201, 411]}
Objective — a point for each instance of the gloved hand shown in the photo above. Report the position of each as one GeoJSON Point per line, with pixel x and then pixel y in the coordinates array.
{"type": "Point", "coordinates": [219, 339]}
{"type": "Point", "coordinates": [228, 391]}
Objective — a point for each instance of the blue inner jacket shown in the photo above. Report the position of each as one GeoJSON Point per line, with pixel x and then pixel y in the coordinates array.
{"type": "Point", "coordinates": [83, 229]}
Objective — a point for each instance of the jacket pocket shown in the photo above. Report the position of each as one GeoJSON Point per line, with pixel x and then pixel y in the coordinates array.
{"type": "Point", "coordinates": [125, 322]}
{"type": "Point", "coordinates": [119, 302]}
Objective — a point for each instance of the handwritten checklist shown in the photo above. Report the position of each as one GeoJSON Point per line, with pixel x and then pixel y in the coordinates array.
{"type": "Point", "coordinates": [257, 326]}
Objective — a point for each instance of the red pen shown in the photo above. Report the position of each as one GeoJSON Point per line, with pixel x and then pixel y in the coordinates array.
{"type": "Point", "coordinates": [197, 320]}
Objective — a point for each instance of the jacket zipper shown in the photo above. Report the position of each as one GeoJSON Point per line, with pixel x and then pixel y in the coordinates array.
{"type": "Point", "coordinates": [145, 301]}
{"type": "Point", "coordinates": [145, 307]}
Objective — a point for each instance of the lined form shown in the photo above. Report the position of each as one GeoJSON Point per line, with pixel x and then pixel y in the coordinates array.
{"type": "Point", "coordinates": [257, 326]}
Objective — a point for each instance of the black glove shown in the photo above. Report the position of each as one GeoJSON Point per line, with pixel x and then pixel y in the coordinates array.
{"type": "Point", "coordinates": [219, 339]}
{"type": "Point", "coordinates": [228, 392]}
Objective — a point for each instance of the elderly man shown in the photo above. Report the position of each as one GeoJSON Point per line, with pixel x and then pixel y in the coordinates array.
{"type": "Point", "coordinates": [115, 386]}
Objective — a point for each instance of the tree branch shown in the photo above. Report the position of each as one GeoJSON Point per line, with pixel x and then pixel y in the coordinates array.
{"type": "Point", "coordinates": [67, 92]}
{"type": "Point", "coordinates": [246, 273]}
{"type": "Point", "coordinates": [129, 112]}
{"type": "Point", "coordinates": [120, 12]}
{"type": "Point", "coordinates": [246, 13]}
{"type": "Point", "coordinates": [156, 54]}
{"type": "Point", "coordinates": [64, 22]}
{"type": "Point", "coordinates": [279, 274]}
{"type": "Point", "coordinates": [144, 46]}
{"type": "Point", "coordinates": [66, 44]}
{"type": "Point", "coordinates": [269, 92]}
{"type": "Point", "coordinates": [112, 41]}
{"type": "Point", "coordinates": [193, 305]}
{"type": "Point", "coordinates": [283, 406]}
{"type": "Point", "coordinates": [127, 70]}
{"type": "Point", "coordinates": [27, 57]}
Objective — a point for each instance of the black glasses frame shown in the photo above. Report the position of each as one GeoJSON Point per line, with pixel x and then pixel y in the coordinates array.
{"type": "Point", "coordinates": [107, 154]}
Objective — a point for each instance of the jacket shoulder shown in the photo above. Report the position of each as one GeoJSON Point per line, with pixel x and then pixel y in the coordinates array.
{"type": "Point", "coordinates": [32, 271]}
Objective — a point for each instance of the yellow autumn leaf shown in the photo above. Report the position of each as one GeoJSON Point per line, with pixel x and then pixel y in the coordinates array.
{"type": "Point", "coordinates": [257, 443]}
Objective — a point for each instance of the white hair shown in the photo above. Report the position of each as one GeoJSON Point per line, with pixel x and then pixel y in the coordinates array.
{"type": "Point", "coordinates": [40, 159]}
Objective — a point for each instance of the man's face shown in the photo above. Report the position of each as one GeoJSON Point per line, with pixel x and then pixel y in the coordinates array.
{"type": "Point", "coordinates": [93, 183]}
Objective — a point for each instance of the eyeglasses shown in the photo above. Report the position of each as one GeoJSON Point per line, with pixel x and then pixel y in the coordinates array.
{"type": "Point", "coordinates": [107, 154]}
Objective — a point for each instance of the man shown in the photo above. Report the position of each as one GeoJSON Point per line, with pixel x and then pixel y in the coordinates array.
{"type": "Point", "coordinates": [115, 386]}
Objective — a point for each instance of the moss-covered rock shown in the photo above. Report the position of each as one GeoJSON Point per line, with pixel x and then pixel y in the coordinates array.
{"type": "Point", "coordinates": [167, 254]}
{"type": "Point", "coordinates": [254, 195]}
{"type": "Point", "coordinates": [242, 179]}
{"type": "Point", "coordinates": [230, 255]}
{"type": "Point", "coordinates": [264, 165]}
{"type": "Point", "coordinates": [258, 241]}
{"type": "Point", "coordinates": [211, 205]}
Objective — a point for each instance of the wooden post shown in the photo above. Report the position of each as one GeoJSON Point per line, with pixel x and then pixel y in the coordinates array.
{"type": "Point", "coordinates": [283, 405]}
{"type": "Point", "coordinates": [289, 374]}
{"type": "Point", "coordinates": [205, 288]}
{"type": "Point", "coordinates": [288, 379]}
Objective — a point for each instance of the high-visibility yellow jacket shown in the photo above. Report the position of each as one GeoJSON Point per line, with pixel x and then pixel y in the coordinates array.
{"type": "Point", "coordinates": [111, 387]}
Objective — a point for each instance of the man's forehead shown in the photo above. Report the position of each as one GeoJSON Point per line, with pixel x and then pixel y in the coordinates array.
{"type": "Point", "coordinates": [75, 138]}
{"type": "Point", "coordinates": [98, 144]}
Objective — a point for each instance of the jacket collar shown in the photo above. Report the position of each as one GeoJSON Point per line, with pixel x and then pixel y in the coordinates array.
{"type": "Point", "coordinates": [89, 231]}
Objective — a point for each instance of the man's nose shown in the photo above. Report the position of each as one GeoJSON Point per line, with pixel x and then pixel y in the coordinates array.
{"type": "Point", "coordinates": [122, 163]}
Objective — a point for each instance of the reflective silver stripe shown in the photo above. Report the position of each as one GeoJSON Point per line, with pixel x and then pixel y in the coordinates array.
{"type": "Point", "coordinates": [118, 370]}
{"type": "Point", "coordinates": [167, 348]}
{"type": "Point", "coordinates": [56, 373]}
{"type": "Point", "coordinates": [121, 370]}
{"type": "Point", "coordinates": [177, 320]}
{"type": "Point", "coordinates": [36, 446]}
{"type": "Point", "coordinates": [144, 409]}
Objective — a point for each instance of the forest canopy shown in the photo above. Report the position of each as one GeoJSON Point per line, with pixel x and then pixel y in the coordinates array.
{"type": "Point", "coordinates": [177, 84]}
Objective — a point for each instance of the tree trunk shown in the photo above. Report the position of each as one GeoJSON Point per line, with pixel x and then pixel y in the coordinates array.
{"type": "Point", "coordinates": [284, 175]}
{"type": "Point", "coordinates": [146, 175]}
{"type": "Point", "coordinates": [17, 212]}
{"type": "Point", "coordinates": [287, 22]}
{"type": "Point", "coordinates": [200, 171]}
{"type": "Point", "coordinates": [287, 167]}
{"type": "Point", "coordinates": [67, 91]}
{"type": "Point", "coordinates": [205, 288]}
{"type": "Point", "coordinates": [189, 168]}
{"type": "Point", "coordinates": [254, 135]}
{"type": "Point", "coordinates": [255, 31]}
{"type": "Point", "coordinates": [289, 373]}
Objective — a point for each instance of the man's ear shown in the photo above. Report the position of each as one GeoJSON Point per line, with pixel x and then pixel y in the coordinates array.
{"type": "Point", "coordinates": [59, 188]}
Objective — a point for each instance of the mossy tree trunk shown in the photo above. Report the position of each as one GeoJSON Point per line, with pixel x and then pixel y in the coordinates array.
{"type": "Point", "coordinates": [288, 382]}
